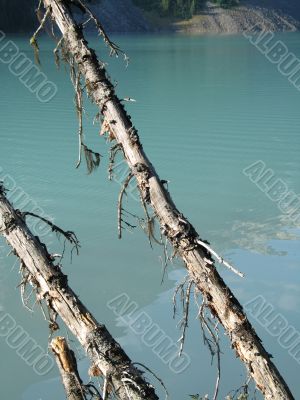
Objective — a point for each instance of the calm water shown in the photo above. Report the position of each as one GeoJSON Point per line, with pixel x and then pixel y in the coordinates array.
{"type": "Point", "coordinates": [206, 108]}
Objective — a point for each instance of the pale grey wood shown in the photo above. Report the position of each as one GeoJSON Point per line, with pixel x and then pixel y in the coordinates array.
{"type": "Point", "coordinates": [52, 286]}
{"type": "Point", "coordinates": [177, 229]}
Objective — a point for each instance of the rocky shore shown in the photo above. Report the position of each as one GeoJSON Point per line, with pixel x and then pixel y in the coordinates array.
{"type": "Point", "coordinates": [273, 15]}
{"type": "Point", "coordinates": [265, 15]}
{"type": "Point", "coordinates": [122, 16]}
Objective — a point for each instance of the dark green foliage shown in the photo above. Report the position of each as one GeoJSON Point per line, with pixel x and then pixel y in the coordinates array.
{"type": "Point", "coordinates": [19, 15]}
{"type": "Point", "coordinates": [226, 3]}
{"type": "Point", "coordinates": [179, 8]}
{"type": "Point", "coordinates": [173, 8]}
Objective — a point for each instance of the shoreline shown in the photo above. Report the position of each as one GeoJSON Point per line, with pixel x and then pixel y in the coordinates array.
{"type": "Point", "coordinates": [216, 20]}
{"type": "Point", "coordinates": [122, 16]}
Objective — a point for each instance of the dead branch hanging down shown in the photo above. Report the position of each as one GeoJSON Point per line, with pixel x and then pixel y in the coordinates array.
{"type": "Point", "coordinates": [197, 258]}
{"type": "Point", "coordinates": [69, 236]}
{"type": "Point", "coordinates": [51, 287]}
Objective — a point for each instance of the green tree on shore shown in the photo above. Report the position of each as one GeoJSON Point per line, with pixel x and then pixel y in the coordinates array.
{"type": "Point", "coordinates": [179, 8]}
{"type": "Point", "coordinates": [18, 15]}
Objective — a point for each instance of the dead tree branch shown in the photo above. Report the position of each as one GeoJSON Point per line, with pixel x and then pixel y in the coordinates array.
{"type": "Point", "coordinates": [51, 287]}
{"type": "Point", "coordinates": [68, 235]}
{"type": "Point", "coordinates": [221, 301]}
{"type": "Point", "coordinates": [120, 207]}
{"type": "Point", "coordinates": [33, 40]}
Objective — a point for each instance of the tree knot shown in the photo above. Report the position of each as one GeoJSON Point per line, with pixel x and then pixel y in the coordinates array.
{"type": "Point", "coordinates": [9, 222]}
{"type": "Point", "coordinates": [58, 281]}
{"type": "Point", "coordinates": [133, 136]}
{"type": "Point", "coordinates": [3, 190]}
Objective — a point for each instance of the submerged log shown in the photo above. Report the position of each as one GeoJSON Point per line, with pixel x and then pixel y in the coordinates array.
{"type": "Point", "coordinates": [174, 225]}
{"type": "Point", "coordinates": [51, 287]}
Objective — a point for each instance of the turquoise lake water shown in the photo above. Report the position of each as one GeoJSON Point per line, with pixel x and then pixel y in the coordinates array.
{"type": "Point", "coordinates": [206, 108]}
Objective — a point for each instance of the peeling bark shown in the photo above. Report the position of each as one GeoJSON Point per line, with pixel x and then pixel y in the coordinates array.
{"type": "Point", "coordinates": [174, 225]}
{"type": "Point", "coordinates": [51, 287]}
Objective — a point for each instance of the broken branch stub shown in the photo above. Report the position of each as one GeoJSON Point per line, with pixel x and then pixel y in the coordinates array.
{"type": "Point", "coordinates": [67, 366]}
{"type": "Point", "coordinates": [51, 286]}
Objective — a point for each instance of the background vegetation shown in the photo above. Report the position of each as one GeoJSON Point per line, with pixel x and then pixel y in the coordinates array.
{"type": "Point", "coordinates": [19, 16]}
{"type": "Point", "coordinates": [179, 8]}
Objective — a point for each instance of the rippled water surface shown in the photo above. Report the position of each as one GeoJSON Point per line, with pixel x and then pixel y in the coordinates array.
{"type": "Point", "coordinates": [206, 108]}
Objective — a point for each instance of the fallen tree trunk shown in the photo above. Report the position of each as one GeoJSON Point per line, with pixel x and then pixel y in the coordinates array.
{"type": "Point", "coordinates": [174, 225]}
{"type": "Point", "coordinates": [51, 286]}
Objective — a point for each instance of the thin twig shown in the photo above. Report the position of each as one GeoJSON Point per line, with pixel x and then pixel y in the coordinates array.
{"type": "Point", "coordinates": [149, 224]}
{"type": "Point", "coordinates": [120, 209]}
{"type": "Point", "coordinates": [56, 52]}
{"type": "Point", "coordinates": [92, 158]}
{"type": "Point", "coordinates": [185, 319]}
{"type": "Point", "coordinates": [155, 376]}
{"type": "Point", "coordinates": [68, 235]}
{"type": "Point", "coordinates": [215, 342]}
{"type": "Point", "coordinates": [114, 48]}
{"type": "Point", "coordinates": [112, 156]}
{"type": "Point", "coordinates": [79, 108]}
{"type": "Point", "coordinates": [23, 284]}
{"type": "Point", "coordinates": [33, 40]}
{"type": "Point", "coordinates": [220, 259]}
{"type": "Point", "coordinates": [178, 288]}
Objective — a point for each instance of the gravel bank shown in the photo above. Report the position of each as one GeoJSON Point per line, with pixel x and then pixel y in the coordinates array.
{"type": "Point", "coordinates": [272, 15]}
{"type": "Point", "coordinates": [122, 16]}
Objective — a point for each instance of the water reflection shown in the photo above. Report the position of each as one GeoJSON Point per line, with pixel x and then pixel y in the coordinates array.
{"type": "Point", "coordinates": [230, 109]}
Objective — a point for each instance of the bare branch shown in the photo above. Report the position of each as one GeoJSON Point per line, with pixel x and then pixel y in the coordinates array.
{"type": "Point", "coordinates": [220, 259]}
{"type": "Point", "coordinates": [114, 48]}
{"type": "Point", "coordinates": [185, 320]}
{"type": "Point", "coordinates": [68, 235]}
{"type": "Point", "coordinates": [51, 286]}
{"type": "Point", "coordinates": [174, 226]}
{"type": "Point", "coordinates": [33, 40]}
{"type": "Point", "coordinates": [120, 200]}
{"type": "Point", "coordinates": [155, 376]}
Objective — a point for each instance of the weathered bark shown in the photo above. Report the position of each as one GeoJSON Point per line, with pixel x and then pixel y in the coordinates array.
{"type": "Point", "coordinates": [67, 366]}
{"type": "Point", "coordinates": [52, 287]}
{"type": "Point", "coordinates": [174, 225]}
